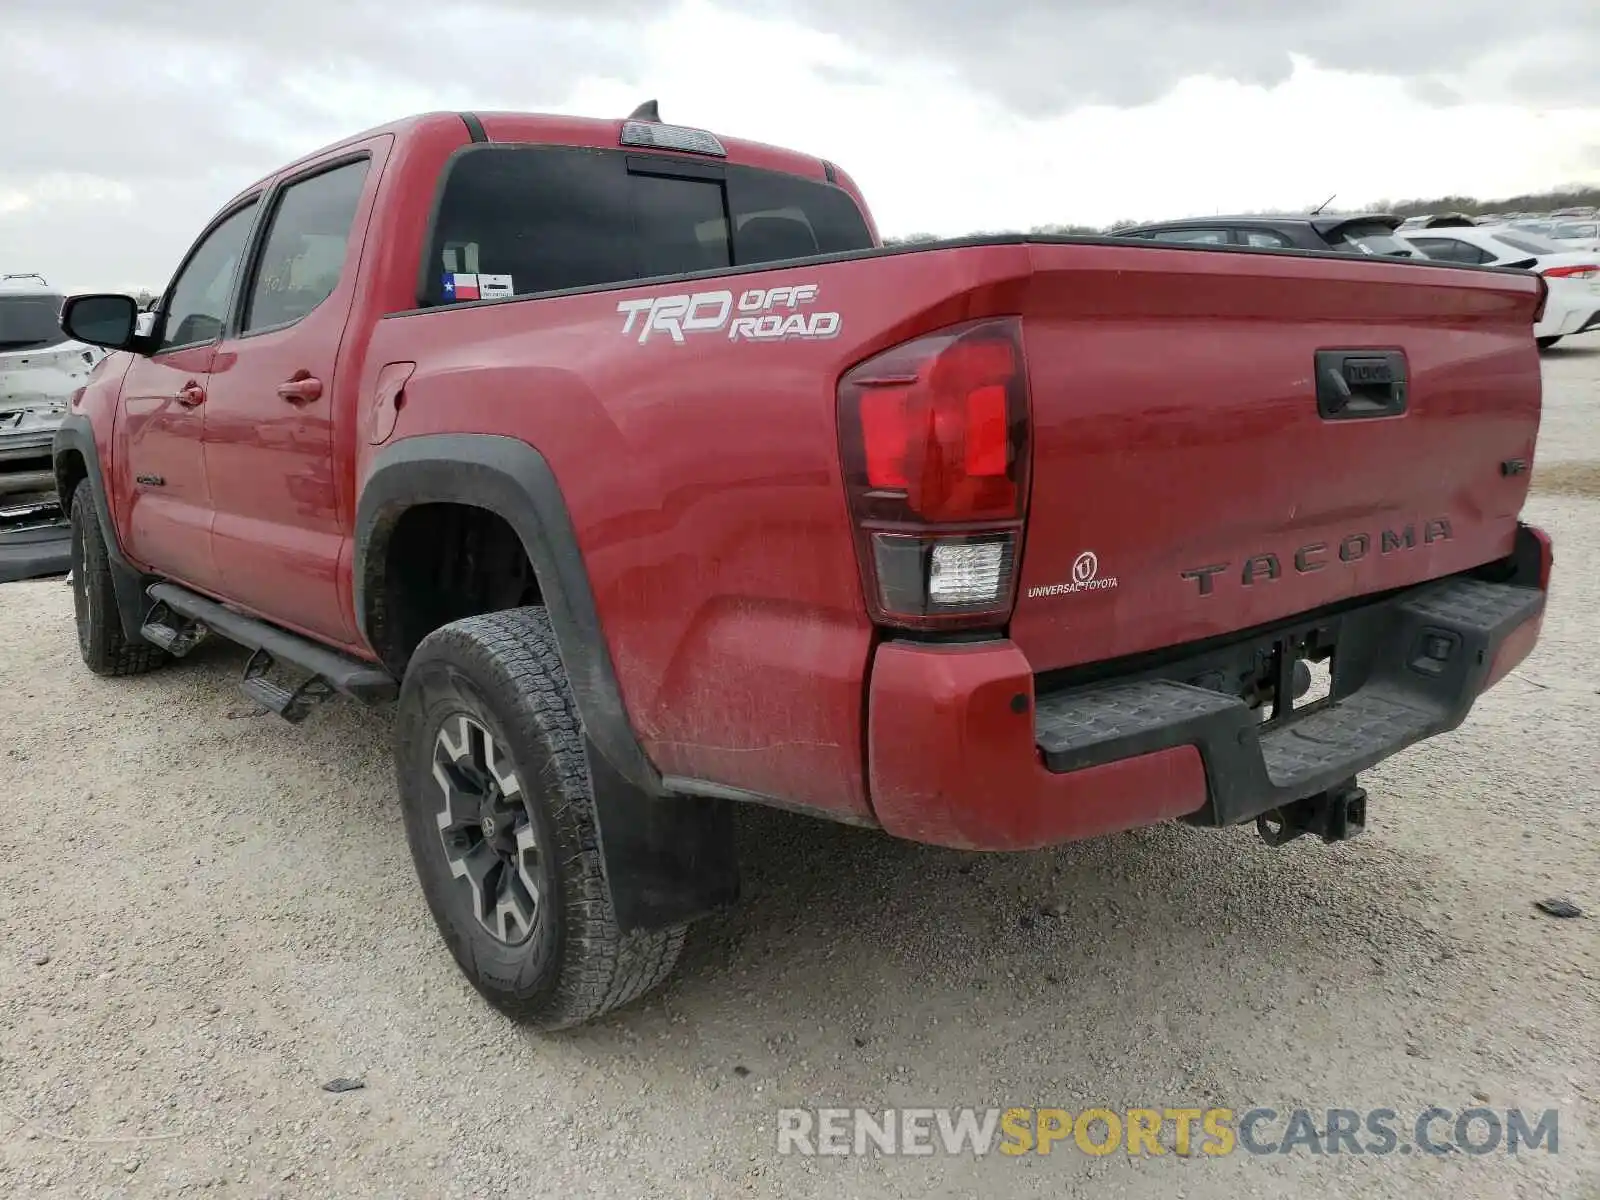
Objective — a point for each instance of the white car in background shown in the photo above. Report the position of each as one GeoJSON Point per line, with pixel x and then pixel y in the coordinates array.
{"type": "Point", "coordinates": [1573, 276]}
{"type": "Point", "coordinates": [1577, 235]}
{"type": "Point", "coordinates": [40, 368]}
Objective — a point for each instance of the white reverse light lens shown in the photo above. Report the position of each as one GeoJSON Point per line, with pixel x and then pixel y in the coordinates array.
{"type": "Point", "coordinates": [965, 573]}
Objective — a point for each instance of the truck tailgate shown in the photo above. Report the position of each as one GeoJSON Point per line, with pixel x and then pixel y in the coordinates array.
{"type": "Point", "coordinates": [1186, 481]}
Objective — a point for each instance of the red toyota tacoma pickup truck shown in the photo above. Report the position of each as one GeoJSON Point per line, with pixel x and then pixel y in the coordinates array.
{"type": "Point", "coordinates": [638, 473]}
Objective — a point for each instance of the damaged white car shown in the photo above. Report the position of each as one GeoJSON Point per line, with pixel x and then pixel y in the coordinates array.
{"type": "Point", "coordinates": [40, 368]}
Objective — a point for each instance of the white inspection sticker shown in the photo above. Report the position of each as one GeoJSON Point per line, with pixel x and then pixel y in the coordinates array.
{"type": "Point", "coordinates": [494, 287]}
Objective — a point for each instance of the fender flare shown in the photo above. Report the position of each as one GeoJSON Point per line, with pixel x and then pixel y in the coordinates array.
{"type": "Point", "coordinates": [667, 857]}
{"type": "Point", "coordinates": [511, 479]}
{"type": "Point", "coordinates": [75, 435]}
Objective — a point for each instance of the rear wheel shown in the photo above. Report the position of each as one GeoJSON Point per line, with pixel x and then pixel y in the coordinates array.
{"type": "Point", "coordinates": [106, 649]}
{"type": "Point", "coordinates": [499, 814]}
{"type": "Point", "coordinates": [1546, 342]}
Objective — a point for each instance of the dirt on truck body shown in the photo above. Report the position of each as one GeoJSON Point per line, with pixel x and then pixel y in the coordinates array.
{"type": "Point", "coordinates": [646, 482]}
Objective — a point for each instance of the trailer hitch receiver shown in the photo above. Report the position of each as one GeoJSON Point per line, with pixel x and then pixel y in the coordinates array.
{"type": "Point", "coordinates": [1335, 815]}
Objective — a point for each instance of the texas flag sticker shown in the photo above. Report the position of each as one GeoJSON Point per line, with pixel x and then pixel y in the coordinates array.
{"type": "Point", "coordinates": [458, 286]}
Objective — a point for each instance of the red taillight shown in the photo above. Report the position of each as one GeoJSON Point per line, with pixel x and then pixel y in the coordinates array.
{"type": "Point", "coordinates": [1580, 271]}
{"type": "Point", "coordinates": [934, 436]}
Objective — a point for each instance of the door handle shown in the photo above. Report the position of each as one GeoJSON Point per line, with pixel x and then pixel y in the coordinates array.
{"type": "Point", "coordinates": [1356, 384]}
{"type": "Point", "coordinates": [190, 394]}
{"type": "Point", "coordinates": [303, 388]}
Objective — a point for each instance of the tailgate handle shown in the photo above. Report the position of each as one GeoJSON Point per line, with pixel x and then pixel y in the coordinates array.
{"type": "Point", "coordinates": [1354, 384]}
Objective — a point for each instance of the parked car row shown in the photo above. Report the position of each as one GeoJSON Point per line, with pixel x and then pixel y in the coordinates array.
{"type": "Point", "coordinates": [1573, 276]}
{"type": "Point", "coordinates": [1573, 228]}
{"type": "Point", "coordinates": [1370, 233]}
{"type": "Point", "coordinates": [1578, 235]}
{"type": "Point", "coordinates": [1570, 265]}
{"type": "Point", "coordinates": [40, 368]}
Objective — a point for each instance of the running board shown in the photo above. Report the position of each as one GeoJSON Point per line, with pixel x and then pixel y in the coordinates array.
{"type": "Point", "coordinates": [362, 681]}
{"type": "Point", "coordinates": [175, 634]}
{"type": "Point", "coordinates": [292, 704]}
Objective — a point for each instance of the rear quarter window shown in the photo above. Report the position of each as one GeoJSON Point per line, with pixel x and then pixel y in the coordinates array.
{"type": "Point", "coordinates": [520, 220]}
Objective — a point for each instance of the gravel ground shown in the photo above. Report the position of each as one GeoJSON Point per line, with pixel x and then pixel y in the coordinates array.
{"type": "Point", "coordinates": [210, 913]}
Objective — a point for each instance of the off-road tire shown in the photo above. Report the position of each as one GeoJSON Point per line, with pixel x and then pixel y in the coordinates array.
{"type": "Point", "coordinates": [106, 649]}
{"type": "Point", "coordinates": [502, 671]}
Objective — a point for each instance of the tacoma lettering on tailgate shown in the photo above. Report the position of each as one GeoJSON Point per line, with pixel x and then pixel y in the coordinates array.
{"type": "Point", "coordinates": [1319, 556]}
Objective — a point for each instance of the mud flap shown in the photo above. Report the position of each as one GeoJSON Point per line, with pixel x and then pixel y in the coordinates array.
{"type": "Point", "coordinates": [667, 859]}
{"type": "Point", "coordinates": [128, 583]}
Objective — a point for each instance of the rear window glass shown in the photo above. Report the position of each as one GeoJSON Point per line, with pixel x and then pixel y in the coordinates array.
{"type": "Point", "coordinates": [1373, 238]}
{"type": "Point", "coordinates": [1449, 249]}
{"type": "Point", "coordinates": [1528, 243]}
{"type": "Point", "coordinates": [30, 322]}
{"type": "Point", "coordinates": [1576, 230]}
{"type": "Point", "coordinates": [516, 220]}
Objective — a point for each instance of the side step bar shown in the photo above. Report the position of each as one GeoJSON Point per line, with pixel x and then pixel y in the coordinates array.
{"type": "Point", "coordinates": [175, 634]}
{"type": "Point", "coordinates": [330, 670]}
{"type": "Point", "coordinates": [292, 704]}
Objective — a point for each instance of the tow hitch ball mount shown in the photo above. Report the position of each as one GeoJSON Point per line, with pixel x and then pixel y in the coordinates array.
{"type": "Point", "coordinates": [1335, 815]}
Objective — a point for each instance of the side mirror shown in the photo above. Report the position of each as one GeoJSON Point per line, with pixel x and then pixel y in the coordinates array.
{"type": "Point", "coordinates": [101, 320]}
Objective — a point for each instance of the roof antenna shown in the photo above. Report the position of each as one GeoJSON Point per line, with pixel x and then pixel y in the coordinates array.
{"type": "Point", "coordinates": [1318, 209]}
{"type": "Point", "coordinates": [646, 112]}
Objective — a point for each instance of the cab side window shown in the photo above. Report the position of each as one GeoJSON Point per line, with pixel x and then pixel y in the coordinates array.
{"type": "Point", "coordinates": [1266, 239]}
{"type": "Point", "coordinates": [197, 303]}
{"type": "Point", "coordinates": [305, 247]}
{"type": "Point", "coordinates": [1208, 237]}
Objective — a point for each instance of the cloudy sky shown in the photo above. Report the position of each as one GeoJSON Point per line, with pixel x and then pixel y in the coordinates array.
{"type": "Point", "coordinates": [128, 123]}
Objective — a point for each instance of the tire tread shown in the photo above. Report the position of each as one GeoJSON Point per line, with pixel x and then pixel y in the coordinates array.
{"type": "Point", "coordinates": [109, 652]}
{"type": "Point", "coordinates": [601, 967]}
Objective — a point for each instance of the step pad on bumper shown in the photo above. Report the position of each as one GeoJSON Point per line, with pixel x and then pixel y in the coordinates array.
{"type": "Point", "coordinates": [1406, 668]}
{"type": "Point", "coordinates": [1078, 729]}
{"type": "Point", "coordinates": [1354, 729]}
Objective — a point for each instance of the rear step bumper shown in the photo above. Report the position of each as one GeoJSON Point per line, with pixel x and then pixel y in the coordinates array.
{"type": "Point", "coordinates": [962, 753]}
{"type": "Point", "coordinates": [1435, 650]}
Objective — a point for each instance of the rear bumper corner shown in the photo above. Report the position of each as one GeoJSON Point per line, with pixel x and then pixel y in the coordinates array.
{"type": "Point", "coordinates": [952, 758]}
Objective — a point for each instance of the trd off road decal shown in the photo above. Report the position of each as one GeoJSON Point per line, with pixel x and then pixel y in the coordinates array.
{"type": "Point", "coordinates": [757, 315]}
